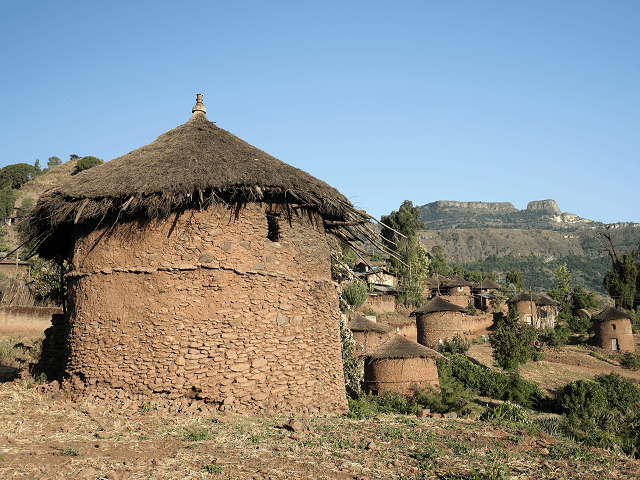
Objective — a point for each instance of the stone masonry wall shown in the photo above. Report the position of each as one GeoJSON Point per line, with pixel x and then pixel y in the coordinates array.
{"type": "Point", "coordinates": [204, 305]}
{"type": "Point", "coordinates": [432, 327]}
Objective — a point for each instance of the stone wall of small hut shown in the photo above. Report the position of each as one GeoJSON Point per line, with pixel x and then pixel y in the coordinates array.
{"type": "Point", "coordinates": [385, 373]}
{"type": "Point", "coordinates": [231, 306]}
{"type": "Point", "coordinates": [434, 326]}
{"type": "Point", "coordinates": [619, 330]}
{"type": "Point", "coordinates": [526, 309]}
{"type": "Point", "coordinates": [367, 340]}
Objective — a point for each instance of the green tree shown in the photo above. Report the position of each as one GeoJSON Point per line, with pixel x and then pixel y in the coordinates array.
{"type": "Point", "coordinates": [36, 165]}
{"type": "Point", "coordinates": [514, 276]}
{"type": "Point", "coordinates": [513, 341]}
{"type": "Point", "coordinates": [53, 161]}
{"type": "Point", "coordinates": [25, 207]}
{"type": "Point", "coordinates": [439, 265]}
{"type": "Point", "coordinates": [86, 163]}
{"type": "Point", "coordinates": [583, 299]}
{"type": "Point", "coordinates": [410, 260]}
{"type": "Point", "coordinates": [562, 289]}
{"type": "Point", "coordinates": [73, 156]}
{"type": "Point", "coordinates": [16, 175]}
{"type": "Point", "coordinates": [622, 280]}
{"type": "Point", "coordinates": [7, 200]}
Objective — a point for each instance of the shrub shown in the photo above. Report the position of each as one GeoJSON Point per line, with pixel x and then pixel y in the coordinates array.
{"type": "Point", "coordinates": [458, 345]}
{"type": "Point", "coordinates": [86, 163]}
{"type": "Point", "coordinates": [507, 412]}
{"type": "Point", "coordinates": [557, 337]}
{"type": "Point", "coordinates": [584, 398]}
{"type": "Point", "coordinates": [366, 405]}
{"type": "Point", "coordinates": [352, 366]}
{"type": "Point", "coordinates": [628, 361]}
{"type": "Point", "coordinates": [513, 341]}
{"type": "Point", "coordinates": [355, 293]}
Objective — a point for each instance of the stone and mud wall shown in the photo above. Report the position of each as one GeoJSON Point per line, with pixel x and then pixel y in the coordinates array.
{"type": "Point", "coordinates": [619, 330]}
{"type": "Point", "coordinates": [26, 319]}
{"type": "Point", "coordinates": [400, 375]}
{"type": "Point", "coordinates": [235, 307]}
{"type": "Point", "coordinates": [432, 327]}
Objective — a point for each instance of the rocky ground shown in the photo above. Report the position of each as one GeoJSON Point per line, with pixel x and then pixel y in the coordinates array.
{"type": "Point", "coordinates": [44, 436]}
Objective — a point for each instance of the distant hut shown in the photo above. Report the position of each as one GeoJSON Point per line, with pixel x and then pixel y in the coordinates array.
{"type": "Point", "coordinates": [437, 320]}
{"type": "Point", "coordinates": [367, 334]}
{"type": "Point", "coordinates": [547, 309]}
{"type": "Point", "coordinates": [613, 330]}
{"type": "Point", "coordinates": [458, 291]}
{"type": "Point", "coordinates": [525, 305]}
{"type": "Point", "coordinates": [201, 269]}
{"type": "Point", "coordinates": [483, 293]}
{"type": "Point", "coordinates": [400, 364]}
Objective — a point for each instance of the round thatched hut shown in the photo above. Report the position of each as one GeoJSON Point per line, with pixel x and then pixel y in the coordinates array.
{"type": "Point", "coordinates": [400, 364]}
{"type": "Point", "coordinates": [525, 305]}
{"type": "Point", "coordinates": [200, 269]}
{"type": "Point", "coordinates": [613, 330]}
{"type": "Point", "coordinates": [437, 320]}
{"type": "Point", "coordinates": [367, 334]}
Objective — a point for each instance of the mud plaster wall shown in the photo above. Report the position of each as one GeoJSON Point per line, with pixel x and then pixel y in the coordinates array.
{"type": "Point", "coordinates": [438, 325]}
{"type": "Point", "coordinates": [204, 305]}
{"type": "Point", "coordinates": [525, 308]}
{"type": "Point", "coordinates": [400, 374]}
{"type": "Point", "coordinates": [476, 324]}
{"type": "Point", "coordinates": [605, 331]}
{"type": "Point", "coordinates": [408, 331]}
{"type": "Point", "coordinates": [26, 319]}
{"type": "Point", "coordinates": [366, 341]}
{"type": "Point", "coordinates": [381, 303]}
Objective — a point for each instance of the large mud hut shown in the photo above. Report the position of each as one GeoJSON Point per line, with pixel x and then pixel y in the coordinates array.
{"type": "Point", "coordinates": [437, 320]}
{"type": "Point", "coordinates": [613, 330]}
{"type": "Point", "coordinates": [200, 268]}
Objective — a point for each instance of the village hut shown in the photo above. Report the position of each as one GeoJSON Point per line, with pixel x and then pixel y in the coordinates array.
{"type": "Point", "coordinates": [547, 309]}
{"type": "Point", "coordinates": [484, 292]}
{"type": "Point", "coordinates": [613, 330]}
{"type": "Point", "coordinates": [458, 291]}
{"type": "Point", "coordinates": [368, 334]}
{"type": "Point", "coordinates": [400, 365]}
{"type": "Point", "coordinates": [200, 268]}
{"type": "Point", "coordinates": [525, 305]}
{"type": "Point", "coordinates": [437, 320]}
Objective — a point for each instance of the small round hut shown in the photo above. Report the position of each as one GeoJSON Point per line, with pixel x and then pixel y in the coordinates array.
{"type": "Point", "coordinates": [613, 330]}
{"type": "Point", "coordinates": [458, 291]}
{"type": "Point", "coordinates": [525, 305]}
{"type": "Point", "coordinates": [400, 364]}
{"type": "Point", "coordinates": [437, 320]}
{"type": "Point", "coordinates": [367, 334]}
{"type": "Point", "coordinates": [200, 268]}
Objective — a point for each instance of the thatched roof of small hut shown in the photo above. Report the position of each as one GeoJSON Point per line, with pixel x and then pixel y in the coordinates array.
{"type": "Point", "coordinates": [437, 304]}
{"type": "Point", "coordinates": [361, 324]}
{"type": "Point", "coordinates": [400, 347]}
{"type": "Point", "coordinates": [611, 313]}
{"type": "Point", "coordinates": [195, 164]}
{"type": "Point", "coordinates": [522, 297]}
{"type": "Point", "coordinates": [487, 284]}
{"type": "Point", "coordinates": [543, 300]}
{"type": "Point", "coordinates": [457, 281]}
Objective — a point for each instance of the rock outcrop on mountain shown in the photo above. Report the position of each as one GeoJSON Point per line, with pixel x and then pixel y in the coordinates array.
{"type": "Point", "coordinates": [540, 214]}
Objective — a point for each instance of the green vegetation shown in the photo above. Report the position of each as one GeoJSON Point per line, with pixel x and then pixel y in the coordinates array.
{"type": "Point", "coordinates": [196, 435]}
{"type": "Point", "coordinates": [513, 341]}
{"type": "Point", "coordinates": [86, 163]}
{"type": "Point", "coordinates": [355, 293]}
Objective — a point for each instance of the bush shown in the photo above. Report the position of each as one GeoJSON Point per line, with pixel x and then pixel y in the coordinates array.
{"type": "Point", "coordinates": [86, 163]}
{"type": "Point", "coordinates": [452, 397]}
{"type": "Point", "coordinates": [507, 412]}
{"type": "Point", "coordinates": [366, 405]}
{"type": "Point", "coordinates": [557, 337]}
{"type": "Point", "coordinates": [513, 341]}
{"type": "Point", "coordinates": [628, 361]}
{"type": "Point", "coordinates": [458, 345]}
{"type": "Point", "coordinates": [355, 293]}
{"type": "Point", "coordinates": [584, 398]}
{"type": "Point", "coordinates": [489, 383]}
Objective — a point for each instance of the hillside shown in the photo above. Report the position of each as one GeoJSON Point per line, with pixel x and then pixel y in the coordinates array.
{"type": "Point", "coordinates": [534, 241]}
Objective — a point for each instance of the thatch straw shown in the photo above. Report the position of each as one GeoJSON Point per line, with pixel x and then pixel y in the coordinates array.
{"type": "Point", "coordinates": [437, 304]}
{"type": "Point", "coordinates": [400, 347]}
{"type": "Point", "coordinates": [193, 165]}
{"type": "Point", "coordinates": [611, 313]}
{"type": "Point", "coordinates": [543, 300]}
{"type": "Point", "coordinates": [361, 324]}
{"type": "Point", "coordinates": [522, 297]}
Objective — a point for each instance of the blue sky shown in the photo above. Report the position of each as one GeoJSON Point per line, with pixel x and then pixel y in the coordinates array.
{"type": "Point", "coordinates": [495, 101]}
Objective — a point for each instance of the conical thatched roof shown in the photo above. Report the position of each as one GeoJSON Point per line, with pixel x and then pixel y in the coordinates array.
{"type": "Point", "coordinates": [400, 347]}
{"type": "Point", "coordinates": [195, 164]}
{"type": "Point", "coordinates": [522, 297]}
{"type": "Point", "coordinates": [361, 324]}
{"type": "Point", "coordinates": [437, 304]}
{"type": "Point", "coordinates": [543, 300]}
{"type": "Point", "coordinates": [457, 281]}
{"type": "Point", "coordinates": [487, 284]}
{"type": "Point", "coordinates": [611, 313]}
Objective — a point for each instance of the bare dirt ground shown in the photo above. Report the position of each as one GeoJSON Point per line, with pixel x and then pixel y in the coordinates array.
{"type": "Point", "coordinates": [44, 436]}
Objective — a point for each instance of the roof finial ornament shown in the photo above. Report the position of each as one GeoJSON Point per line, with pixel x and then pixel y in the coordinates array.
{"type": "Point", "coordinates": [198, 106]}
